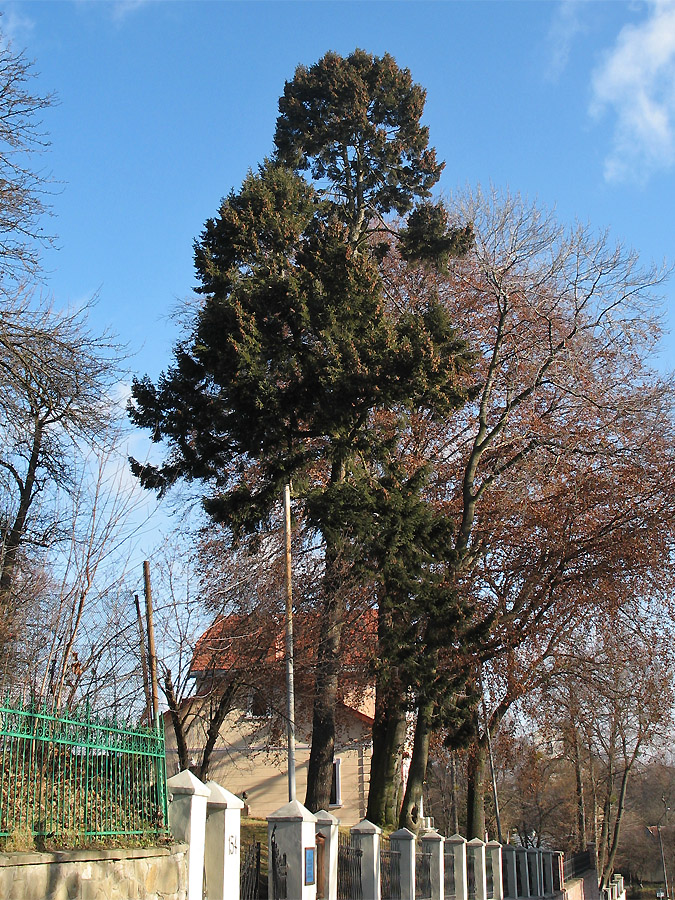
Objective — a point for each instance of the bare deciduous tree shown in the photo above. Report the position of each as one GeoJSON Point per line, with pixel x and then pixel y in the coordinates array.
{"type": "Point", "coordinates": [554, 476]}
{"type": "Point", "coordinates": [23, 187]}
{"type": "Point", "coordinates": [56, 378]}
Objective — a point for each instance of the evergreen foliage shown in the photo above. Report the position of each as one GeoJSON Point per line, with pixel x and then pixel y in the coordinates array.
{"type": "Point", "coordinates": [297, 367]}
{"type": "Point", "coordinates": [354, 123]}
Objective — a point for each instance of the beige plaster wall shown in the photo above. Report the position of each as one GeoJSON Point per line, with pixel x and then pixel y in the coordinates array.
{"type": "Point", "coordinates": [250, 756]}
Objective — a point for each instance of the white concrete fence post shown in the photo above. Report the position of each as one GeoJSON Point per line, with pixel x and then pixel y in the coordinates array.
{"type": "Point", "coordinates": [327, 827]}
{"type": "Point", "coordinates": [522, 872]}
{"type": "Point", "coordinates": [531, 873]}
{"type": "Point", "coordinates": [222, 845]}
{"type": "Point", "coordinates": [433, 844]}
{"type": "Point", "coordinates": [534, 859]}
{"type": "Point", "coordinates": [187, 821]}
{"type": "Point", "coordinates": [367, 840]}
{"type": "Point", "coordinates": [458, 845]}
{"type": "Point", "coordinates": [404, 841]}
{"type": "Point", "coordinates": [540, 872]}
{"type": "Point", "coordinates": [548, 872]}
{"type": "Point", "coordinates": [493, 849]}
{"type": "Point", "coordinates": [509, 864]}
{"type": "Point", "coordinates": [558, 871]}
{"type": "Point", "coordinates": [293, 828]}
{"type": "Point", "coordinates": [620, 887]}
{"type": "Point", "coordinates": [475, 853]}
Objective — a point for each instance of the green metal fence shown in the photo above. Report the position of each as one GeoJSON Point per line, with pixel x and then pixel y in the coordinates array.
{"type": "Point", "coordinates": [78, 776]}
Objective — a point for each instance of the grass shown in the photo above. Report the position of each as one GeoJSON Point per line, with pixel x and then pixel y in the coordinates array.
{"type": "Point", "coordinates": [22, 840]}
{"type": "Point", "coordinates": [256, 830]}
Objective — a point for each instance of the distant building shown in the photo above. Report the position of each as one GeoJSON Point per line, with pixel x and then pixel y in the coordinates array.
{"type": "Point", "coordinates": [249, 757]}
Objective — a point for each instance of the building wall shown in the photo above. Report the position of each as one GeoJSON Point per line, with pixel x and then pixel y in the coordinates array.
{"type": "Point", "coordinates": [250, 756]}
{"type": "Point", "coordinates": [155, 873]}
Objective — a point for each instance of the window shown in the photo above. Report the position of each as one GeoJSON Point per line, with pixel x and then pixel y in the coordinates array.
{"type": "Point", "coordinates": [336, 784]}
{"type": "Point", "coordinates": [257, 705]}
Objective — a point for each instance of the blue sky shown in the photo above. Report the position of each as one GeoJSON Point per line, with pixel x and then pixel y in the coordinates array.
{"type": "Point", "coordinates": [163, 106]}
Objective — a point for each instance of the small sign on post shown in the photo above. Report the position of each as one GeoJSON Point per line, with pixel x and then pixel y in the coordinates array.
{"type": "Point", "coordinates": [310, 872]}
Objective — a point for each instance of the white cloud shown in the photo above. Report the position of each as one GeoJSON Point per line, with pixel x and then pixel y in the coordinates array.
{"type": "Point", "coordinates": [15, 25]}
{"type": "Point", "coordinates": [123, 8]}
{"type": "Point", "coordinates": [565, 26]}
{"type": "Point", "coordinates": [636, 82]}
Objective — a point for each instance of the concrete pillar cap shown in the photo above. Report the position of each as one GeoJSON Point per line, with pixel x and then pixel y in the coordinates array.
{"type": "Point", "coordinates": [326, 818]}
{"type": "Point", "coordinates": [365, 827]}
{"type": "Point", "coordinates": [403, 834]}
{"type": "Point", "coordinates": [431, 835]}
{"type": "Point", "coordinates": [221, 798]}
{"type": "Point", "coordinates": [292, 812]}
{"type": "Point", "coordinates": [187, 783]}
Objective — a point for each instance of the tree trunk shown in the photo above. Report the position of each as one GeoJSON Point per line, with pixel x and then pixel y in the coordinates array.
{"type": "Point", "coordinates": [389, 729]}
{"type": "Point", "coordinates": [409, 816]}
{"type": "Point", "coordinates": [604, 831]}
{"type": "Point", "coordinates": [320, 768]}
{"type": "Point", "coordinates": [176, 721]}
{"type": "Point", "coordinates": [594, 800]}
{"type": "Point", "coordinates": [608, 869]}
{"type": "Point", "coordinates": [224, 706]}
{"type": "Point", "coordinates": [581, 803]}
{"type": "Point", "coordinates": [454, 798]}
{"type": "Point", "coordinates": [388, 738]}
{"type": "Point", "coordinates": [475, 791]}
{"type": "Point", "coordinates": [16, 533]}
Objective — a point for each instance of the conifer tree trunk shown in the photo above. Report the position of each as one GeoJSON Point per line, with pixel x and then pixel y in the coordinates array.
{"type": "Point", "coordinates": [409, 817]}
{"type": "Point", "coordinates": [388, 738]}
{"type": "Point", "coordinates": [320, 769]}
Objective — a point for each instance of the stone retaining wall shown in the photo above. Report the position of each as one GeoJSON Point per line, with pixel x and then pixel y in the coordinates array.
{"type": "Point", "coordinates": [153, 873]}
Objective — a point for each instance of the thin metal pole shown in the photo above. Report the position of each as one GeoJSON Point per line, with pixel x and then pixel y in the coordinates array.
{"type": "Point", "coordinates": [492, 762]}
{"type": "Point", "coordinates": [290, 688]}
{"type": "Point", "coordinates": [663, 863]}
{"type": "Point", "coordinates": [152, 657]}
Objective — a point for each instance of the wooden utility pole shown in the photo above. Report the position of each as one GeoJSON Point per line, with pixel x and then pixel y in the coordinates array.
{"type": "Point", "coordinates": [152, 657]}
{"type": "Point", "coordinates": [290, 687]}
{"type": "Point", "coordinates": [144, 661]}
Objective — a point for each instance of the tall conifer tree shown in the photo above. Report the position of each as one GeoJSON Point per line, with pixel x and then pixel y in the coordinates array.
{"type": "Point", "coordinates": [294, 353]}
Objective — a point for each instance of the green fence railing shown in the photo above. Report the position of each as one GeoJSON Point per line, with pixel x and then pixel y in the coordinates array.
{"type": "Point", "coordinates": [79, 777]}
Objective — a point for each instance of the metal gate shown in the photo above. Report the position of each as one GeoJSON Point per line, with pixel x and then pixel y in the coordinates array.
{"type": "Point", "coordinates": [422, 875]}
{"type": "Point", "coordinates": [349, 870]}
{"type": "Point", "coordinates": [449, 876]}
{"type": "Point", "coordinates": [249, 874]}
{"type": "Point", "coordinates": [279, 871]}
{"type": "Point", "coordinates": [390, 872]}
{"type": "Point", "coordinates": [489, 876]}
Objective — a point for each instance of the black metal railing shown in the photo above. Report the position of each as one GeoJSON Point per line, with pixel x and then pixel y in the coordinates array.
{"type": "Point", "coordinates": [279, 872]}
{"type": "Point", "coordinates": [390, 872]}
{"type": "Point", "coordinates": [422, 875]}
{"type": "Point", "coordinates": [249, 873]}
{"type": "Point", "coordinates": [471, 876]}
{"type": "Point", "coordinates": [577, 864]}
{"type": "Point", "coordinates": [449, 876]}
{"type": "Point", "coordinates": [489, 876]}
{"type": "Point", "coordinates": [349, 869]}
